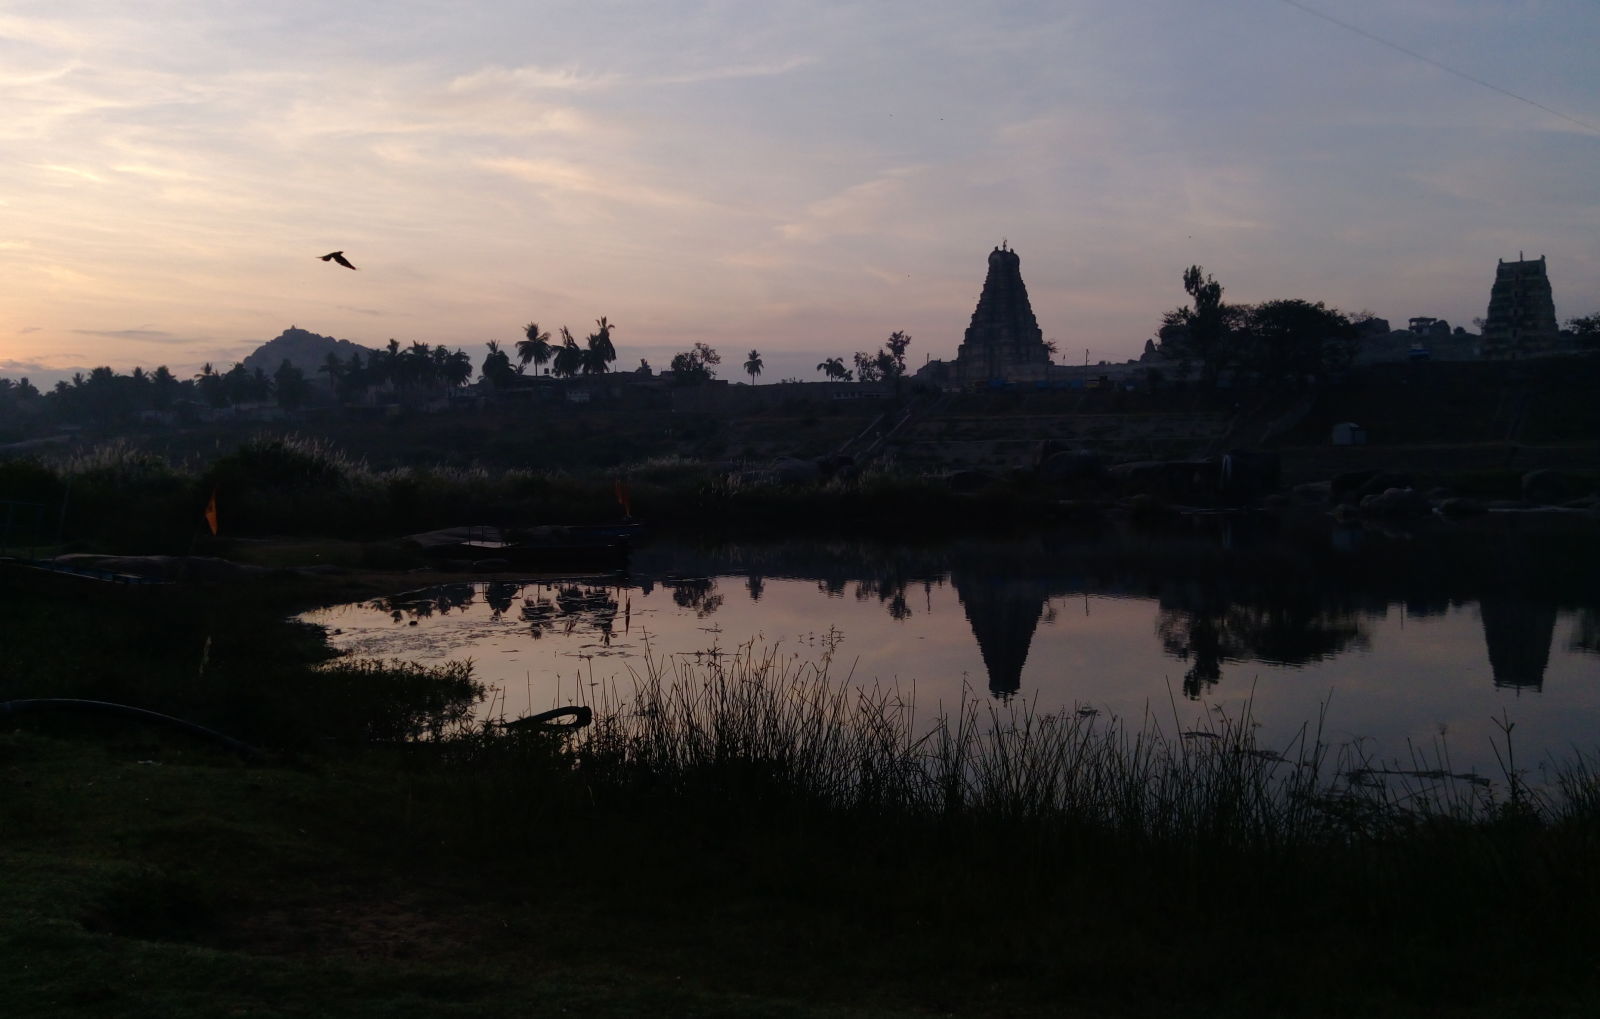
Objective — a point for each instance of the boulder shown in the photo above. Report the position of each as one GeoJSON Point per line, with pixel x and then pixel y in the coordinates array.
{"type": "Point", "coordinates": [1357, 485]}
{"type": "Point", "coordinates": [1395, 502]}
{"type": "Point", "coordinates": [1314, 493]}
{"type": "Point", "coordinates": [790, 471]}
{"type": "Point", "coordinates": [968, 481]}
{"type": "Point", "coordinates": [1550, 487]}
{"type": "Point", "coordinates": [1461, 506]}
{"type": "Point", "coordinates": [1076, 465]}
{"type": "Point", "coordinates": [1177, 480]}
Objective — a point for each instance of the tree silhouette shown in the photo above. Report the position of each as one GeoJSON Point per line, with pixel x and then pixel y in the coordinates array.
{"type": "Point", "coordinates": [600, 353]}
{"type": "Point", "coordinates": [895, 366]}
{"type": "Point", "coordinates": [457, 368]}
{"type": "Point", "coordinates": [1587, 330]}
{"type": "Point", "coordinates": [290, 384]}
{"type": "Point", "coordinates": [497, 370]}
{"type": "Point", "coordinates": [834, 369]}
{"type": "Point", "coordinates": [335, 370]}
{"type": "Point", "coordinates": [1289, 341]}
{"type": "Point", "coordinates": [568, 359]}
{"type": "Point", "coordinates": [752, 366]}
{"type": "Point", "coordinates": [389, 367]}
{"type": "Point", "coordinates": [696, 365]}
{"type": "Point", "coordinates": [1203, 332]}
{"type": "Point", "coordinates": [535, 348]}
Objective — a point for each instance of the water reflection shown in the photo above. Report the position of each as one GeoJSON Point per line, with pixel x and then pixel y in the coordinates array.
{"type": "Point", "coordinates": [546, 608]}
{"type": "Point", "coordinates": [1426, 627]}
{"type": "Point", "coordinates": [1518, 635]}
{"type": "Point", "coordinates": [1586, 636]}
{"type": "Point", "coordinates": [1003, 610]}
{"type": "Point", "coordinates": [1207, 627]}
{"type": "Point", "coordinates": [1244, 592]}
{"type": "Point", "coordinates": [697, 593]}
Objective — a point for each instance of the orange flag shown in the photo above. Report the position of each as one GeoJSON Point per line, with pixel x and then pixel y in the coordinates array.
{"type": "Point", "coordinates": [211, 513]}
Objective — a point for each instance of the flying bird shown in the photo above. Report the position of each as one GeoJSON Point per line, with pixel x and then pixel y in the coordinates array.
{"type": "Point", "coordinates": [337, 256]}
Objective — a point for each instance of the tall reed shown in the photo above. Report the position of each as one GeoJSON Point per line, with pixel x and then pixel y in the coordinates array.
{"type": "Point", "coordinates": [752, 728]}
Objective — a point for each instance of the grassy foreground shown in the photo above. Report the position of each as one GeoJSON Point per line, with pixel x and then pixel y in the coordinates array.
{"type": "Point", "coordinates": [747, 839]}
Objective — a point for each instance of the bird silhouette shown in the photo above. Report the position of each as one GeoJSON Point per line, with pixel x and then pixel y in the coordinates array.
{"type": "Point", "coordinates": [337, 256]}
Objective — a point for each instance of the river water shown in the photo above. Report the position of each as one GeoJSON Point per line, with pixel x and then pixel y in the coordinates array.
{"type": "Point", "coordinates": [1431, 640]}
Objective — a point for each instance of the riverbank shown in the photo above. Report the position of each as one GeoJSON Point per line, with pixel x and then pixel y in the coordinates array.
{"type": "Point", "coordinates": [688, 865]}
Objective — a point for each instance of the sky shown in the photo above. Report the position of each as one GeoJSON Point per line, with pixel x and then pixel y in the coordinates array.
{"type": "Point", "coordinates": [800, 178]}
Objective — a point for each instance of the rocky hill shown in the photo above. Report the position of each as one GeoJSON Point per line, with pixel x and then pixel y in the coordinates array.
{"type": "Point", "coordinates": [306, 350]}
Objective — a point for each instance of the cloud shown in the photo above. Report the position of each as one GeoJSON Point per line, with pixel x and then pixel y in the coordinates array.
{"type": "Point", "coordinates": [859, 209]}
{"type": "Point", "coordinates": [126, 334]}
{"type": "Point", "coordinates": [156, 336]}
{"type": "Point", "coordinates": [11, 367]}
{"type": "Point", "coordinates": [732, 71]}
{"type": "Point", "coordinates": [571, 178]}
{"type": "Point", "coordinates": [496, 78]}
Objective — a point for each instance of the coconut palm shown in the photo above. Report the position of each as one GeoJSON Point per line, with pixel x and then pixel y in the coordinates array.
{"type": "Point", "coordinates": [752, 366]}
{"type": "Point", "coordinates": [497, 370]}
{"type": "Point", "coordinates": [457, 370]}
{"type": "Point", "coordinates": [601, 352]}
{"type": "Point", "coordinates": [535, 348]}
{"type": "Point", "coordinates": [335, 370]}
{"type": "Point", "coordinates": [834, 369]}
{"type": "Point", "coordinates": [568, 359]}
{"type": "Point", "coordinates": [416, 365]}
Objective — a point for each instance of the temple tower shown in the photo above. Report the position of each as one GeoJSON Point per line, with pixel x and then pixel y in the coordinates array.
{"type": "Point", "coordinates": [1522, 314]}
{"type": "Point", "coordinates": [1004, 340]}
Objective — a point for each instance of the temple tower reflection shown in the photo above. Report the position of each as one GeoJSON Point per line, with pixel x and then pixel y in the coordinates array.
{"type": "Point", "coordinates": [1519, 634]}
{"type": "Point", "coordinates": [1003, 611]}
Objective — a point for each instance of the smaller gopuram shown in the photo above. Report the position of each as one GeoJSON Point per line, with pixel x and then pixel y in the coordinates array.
{"type": "Point", "coordinates": [1522, 314]}
{"type": "Point", "coordinates": [1004, 342]}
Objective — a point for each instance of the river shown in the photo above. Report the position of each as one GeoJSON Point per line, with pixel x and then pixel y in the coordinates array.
{"type": "Point", "coordinates": [1432, 641]}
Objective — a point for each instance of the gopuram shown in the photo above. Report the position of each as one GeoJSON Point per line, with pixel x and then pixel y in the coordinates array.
{"type": "Point", "coordinates": [1003, 343]}
{"type": "Point", "coordinates": [1522, 315]}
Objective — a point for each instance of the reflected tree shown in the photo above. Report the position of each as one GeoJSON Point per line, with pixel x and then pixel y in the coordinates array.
{"type": "Point", "coordinates": [1586, 635]}
{"type": "Point", "coordinates": [499, 594]}
{"type": "Point", "coordinates": [1212, 629]}
{"type": "Point", "coordinates": [698, 594]}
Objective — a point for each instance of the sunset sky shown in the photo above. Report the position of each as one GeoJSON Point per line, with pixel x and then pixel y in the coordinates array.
{"type": "Point", "coordinates": [802, 178]}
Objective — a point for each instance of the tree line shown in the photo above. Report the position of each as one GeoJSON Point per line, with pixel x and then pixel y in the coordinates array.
{"type": "Point", "coordinates": [1282, 341]}
{"type": "Point", "coordinates": [886, 365]}
{"type": "Point", "coordinates": [107, 396]}
{"type": "Point", "coordinates": [1290, 341]}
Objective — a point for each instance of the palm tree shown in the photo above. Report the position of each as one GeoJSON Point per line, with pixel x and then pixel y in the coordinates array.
{"type": "Point", "coordinates": [439, 368]}
{"type": "Point", "coordinates": [207, 382]}
{"type": "Point", "coordinates": [535, 348]}
{"type": "Point", "coordinates": [458, 368]}
{"type": "Point", "coordinates": [601, 351]}
{"type": "Point", "coordinates": [389, 367]}
{"type": "Point", "coordinates": [335, 370]}
{"type": "Point", "coordinates": [834, 369]}
{"type": "Point", "coordinates": [497, 368]}
{"type": "Point", "coordinates": [752, 367]}
{"type": "Point", "coordinates": [416, 365]}
{"type": "Point", "coordinates": [165, 386]}
{"type": "Point", "coordinates": [568, 359]}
